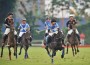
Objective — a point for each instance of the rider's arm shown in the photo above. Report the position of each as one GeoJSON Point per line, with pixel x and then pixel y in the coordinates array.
{"type": "Point", "coordinates": [57, 26]}
{"type": "Point", "coordinates": [19, 28]}
{"type": "Point", "coordinates": [45, 25]}
{"type": "Point", "coordinates": [28, 27]}
{"type": "Point", "coordinates": [7, 23]}
{"type": "Point", "coordinates": [67, 24]}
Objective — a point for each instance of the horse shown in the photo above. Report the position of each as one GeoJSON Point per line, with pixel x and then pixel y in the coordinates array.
{"type": "Point", "coordinates": [73, 41]}
{"type": "Point", "coordinates": [11, 42]}
{"type": "Point", "coordinates": [55, 45]}
{"type": "Point", "coordinates": [25, 41]}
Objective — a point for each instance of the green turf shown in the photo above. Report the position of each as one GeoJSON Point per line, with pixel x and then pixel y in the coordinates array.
{"type": "Point", "coordinates": [38, 56]}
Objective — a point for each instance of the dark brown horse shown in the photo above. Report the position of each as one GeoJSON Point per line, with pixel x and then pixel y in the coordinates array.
{"type": "Point", "coordinates": [11, 42]}
{"type": "Point", "coordinates": [73, 41]}
{"type": "Point", "coordinates": [25, 42]}
{"type": "Point", "coordinates": [55, 45]}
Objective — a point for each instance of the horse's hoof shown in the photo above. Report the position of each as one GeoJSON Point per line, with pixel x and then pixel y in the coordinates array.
{"type": "Point", "coordinates": [73, 55]}
{"type": "Point", "coordinates": [62, 56]}
{"type": "Point", "coordinates": [52, 61]}
{"type": "Point", "coordinates": [66, 52]}
{"type": "Point", "coordinates": [0, 57]}
{"type": "Point", "coordinates": [77, 50]}
{"type": "Point", "coordinates": [19, 54]}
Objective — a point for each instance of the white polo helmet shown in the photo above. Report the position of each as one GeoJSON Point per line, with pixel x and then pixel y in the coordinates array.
{"type": "Point", "coordinates": [71, 15]}
{"type": "Point", "coordinates": [24, 19]}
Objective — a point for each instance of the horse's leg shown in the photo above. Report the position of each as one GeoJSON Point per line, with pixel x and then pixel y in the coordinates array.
{"type": "Point", "coordinates": [67, 48]}
{"type": "Point", "coordinates": [2, 50]}
{"type": "Point", "coordinates": [77, 48]}
{"type": "Point", "coordinates": [63, 52]}
{"type": "Point", "coordinates": [15, 51]}
{"type": "Point", "coordinates": [26, 52]}
{"type": "Point", "coordinates": [9, 52]}
{"type": "Point", "coordinates": [48, 51]}
{"type": "Point", "coordinates": [16, 46]}
{"type": "Point", "coordinates": [26, 55]}
{"type": "Point", "coordinates": [52, 60]}
{"type": "Point", "coordinates": [20, 50]}
{"type": "Point", "coordinates": [72, 50]}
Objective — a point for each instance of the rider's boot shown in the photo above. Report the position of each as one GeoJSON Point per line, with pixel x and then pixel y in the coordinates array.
{"type": "Point", "coordinates": [46, 34]}
{"type": "Point", "coordinates": [4, 38]}
{"type": "Point", "coordinates": [78, 38]}
{"type": "Point", "coordinates": [47, 40]}
{"type": "Point", "coordinates": [19, 40]}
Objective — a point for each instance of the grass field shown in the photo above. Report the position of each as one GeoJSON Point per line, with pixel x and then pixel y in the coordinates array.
{"type": "Point", "coordinates": [38, 56]}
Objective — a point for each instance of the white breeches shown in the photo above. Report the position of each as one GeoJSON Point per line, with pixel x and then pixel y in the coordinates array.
{"type": "Point", "coordinates": [8, 30]}
{"type": "Point", "coordinates": [71, 30]}
{"type": "Point", "coordinates": [21, 33]}
{"type": "Point", "coordinates": [51, 33]}
{"type": "Point", "coordinates": [46, 31]}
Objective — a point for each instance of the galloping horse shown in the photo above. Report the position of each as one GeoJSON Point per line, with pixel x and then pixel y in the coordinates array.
{"type": "Point", "coordinates": [25, 41]}
{"type": "Point", "coordinates": [54, 45]}
{"type": "Point", "coordinates": [11, 41]}
{"type": "Point", "coordinates": [73, 41]}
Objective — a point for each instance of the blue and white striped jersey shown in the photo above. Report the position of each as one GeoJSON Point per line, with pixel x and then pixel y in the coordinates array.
{"type": "Point", "coordinates": [23, 27]}
{"type": "Point", "coordinates": [48, 24]}
{"type": "Point", "coordinates": [54, 27]}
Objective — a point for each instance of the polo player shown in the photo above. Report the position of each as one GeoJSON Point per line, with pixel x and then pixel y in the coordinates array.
{"type": "Point", "coordinates": [47, 26]}
{"type": "Point", "coordinates": [53, 30]}
{"type": "Point", "coordinates": [69, 24]}
{"type": "Point", "coordinates": [23, 27]}
{"type": "Point", "coordinates": [8, 22]}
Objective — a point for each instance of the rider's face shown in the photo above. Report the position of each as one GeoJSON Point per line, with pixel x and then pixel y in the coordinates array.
{"type": "Point", "coordinates": [71, 18]}
{"type": "Point", "coordinates": [10, 16]}
{"type": "Point", "coordinates": [53, 23]}
{"type": "Point", "coordinates": [23, 22]}
{"type": "Point", "coordinates": [48, 19]}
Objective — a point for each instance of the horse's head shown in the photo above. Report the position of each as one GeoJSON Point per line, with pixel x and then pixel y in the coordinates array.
{"type": "Point", "coordinates": [11, 22]}
{"type": "Point", "coordinates": [59, 35]}
{"type": "Point", "coordinates": [12, 28]}
{"type": "Point", "coordinates": [73, 27]}
{"type": "Point", "coordinates": [27, 36]}
{"type": "Point", "coordinates": [11, 25]}
{"type": "Point", "coordinates": [56, 40]}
